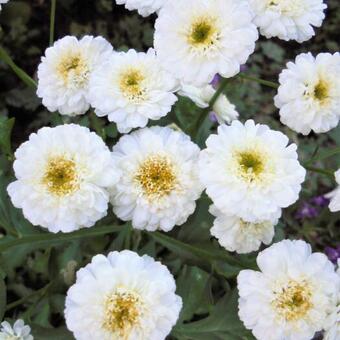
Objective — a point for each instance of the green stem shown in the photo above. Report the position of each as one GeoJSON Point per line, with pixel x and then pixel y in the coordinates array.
{"type": "Point", "coordinates": [323, 156]}
{"type": "Point", "coordinates": [212, 102]}
{"type": "Point", "coordinates": [60, 237]}
{"type": "Point", "coordinates": [258, 80]}
{"type": "Point", "coordinates": [52, 20]}
{"type": "Point", "coordinates": [4, 56]}
{"type": "Point", "coordinates": [320, 171]}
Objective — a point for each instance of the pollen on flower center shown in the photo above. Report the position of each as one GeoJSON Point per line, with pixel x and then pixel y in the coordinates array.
{"type": "Point", "coordinates": [131, 84]}
{"type": "Point", "coordinates": [203, 33]}
{"type": "Point", "coordinates": [321, 91]}
{"type": "Point", "coordinates": [61, 176]}
{"type": "Point", "coordinates": [123, 310]}
{"type": "Point", "coordinates": [293, 301]}
{"type": "Point", "coordinates": [74, 70]}
{"type": "Point", "coordinates": [156, 176]}
{"type": "Point", "coordinates": [251, 165]}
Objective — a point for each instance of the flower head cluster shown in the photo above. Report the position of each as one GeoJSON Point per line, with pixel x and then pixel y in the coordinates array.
{"type": "Point", "coordinates": [288, 19]}
{"type": "Point", "coordinates": [159, 183]}
{"type": "Point", "coordinates": [127, 297]}
{"type": "Point", "coordinates": [309, 93]}
{"type": "Point", "coordinates": [292, 294]}
{"type": "Point", "coordinates": [19, 331]}
{"type": "Point", "coordinates": [63, 175]}
{"type": "Point", "coordinates": [195, 39]}
{"type": "Point", "coordinates": [65, 70]}
{"type": "Point", "coordinates": [201, 96]}
{"type": "Point", "coordinates": [144, 7]}
{"type": "Point", "coordinates": [131, 88]}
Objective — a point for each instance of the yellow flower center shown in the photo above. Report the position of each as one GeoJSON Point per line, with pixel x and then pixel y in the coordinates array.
{"type": "Point", "coordinates": [131, 84]}
{"type": "Point", "coordinates": [156, 176]}
{"type": "Point", "coordinates": [293, 301]}
{"type": "Point", "coordinates": [123, 310]}
{"type": "Point", "coordinates": [203, 33]}
{"type": "Point", "coordinates": [251, 165]}
{"type": "Point", "coordinates": [74, 70]}
{"type": "Point", "coordinates": [321, 91]}
{"type": "Point", "coordinates": [61, 176]}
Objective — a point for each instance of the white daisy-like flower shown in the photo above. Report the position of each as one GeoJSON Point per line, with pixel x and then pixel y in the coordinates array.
{"type": "Point", "coordinates": [250, 171]}
{"type": "Point", "coordinates": [235, 234]}
{"type": "Point", "coordinates": [3, 2]}
{"type": "Point", "coordinates": [196, 39]}
{"type": "Point", "coordinates": [309, 93]}
{"type": "Point", "coordinates": [63, 174]}
{"type": "Point", "coordinates": [159, 183]}
{"type": "Point", "coordinates": [201, 96]}
{"type": "Point", "coordinates": [334, 196]}
{"type": "Point", "coordinates": [288, 19]}
{"type": "Point", "coordinates": [122, 296]}
{"type": "Point", "coordinates": [65, 70]}
{"type": "Point", "coordinates": [144, 7]}
{"type": "Point", "coordinates": [291, 295]}
{"type": "Point", "coordinates": [132, 88]}
{"type": "Point", "coordinates": [19, 331]}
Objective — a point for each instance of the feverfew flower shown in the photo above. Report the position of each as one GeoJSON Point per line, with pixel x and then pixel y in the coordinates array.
{"type": "Point", "coordinates": [195, 39]}
{"type": "Point", "coordinates": [291, 295]}
{"type": "Point", "coordinates": [159, 183]}
{"type": "Point", "coordinates": [65, 70]}
{"type": "Point", "coordinates": [201, 96]}
{"type": "Point", "coordinates": [144, 7]}
{"type": "Point", "coordinates": [3, 2]}
{"type": "Point", "coordinates": [309, 93]}
{"type": "Point", "coordinates": [235, 234]}
{"type": "Point", "coordinates": [132, 88]}
{"type": "Point", "coordinates": [63, 174]}
{"type": "Point", "coordinates": [250, 171]}
{"type": "Point", "coordinates": [122, 296]}
{"type": "Point", "coordinates": [19, 331]}
{"type": "Point", "coordinates": [334, 196]}
{"type": "Point", "coordinates": [288, 19]}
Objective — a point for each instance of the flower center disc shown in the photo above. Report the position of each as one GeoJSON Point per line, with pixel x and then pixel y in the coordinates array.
{"type": "Point", "coordinates": [131, 84]}
{"type": "Point", "coordinates": [203, 33]}
{"type": "Point", "coordinates": [156, 176]}
{"type": "Point", "coordinates": [74, 71]}
{"type": "Point", "coordinates": [251, 165]}
{"type": "Point", "coordinates": [293, 301]}
{"type": "Point", "coordinates": [60, 176]}
{"type": "Point", "coordinates": [122, 311]}
{"type": "Point", "coordinates": [321, 91]}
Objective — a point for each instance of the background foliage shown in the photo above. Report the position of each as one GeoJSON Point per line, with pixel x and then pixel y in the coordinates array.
{"type": "Point", "coordinates": [36, 267]}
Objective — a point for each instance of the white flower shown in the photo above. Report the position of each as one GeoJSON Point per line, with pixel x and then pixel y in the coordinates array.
{"type": "Point", "coordinates": [132, 88]}
{"type": "Point", "coordinates": [309, 93]}
{"type": "Point", "coordinates": [288, 19]}
{"type": "Point", "coordinates": [334, 196]}
{"type": "Point", "coordinates": [65, 70]}
{"type": "Point", "coordinates": [122, 296]}
{"type": "Point", "coordinates": [201, 96]}
{"type": "Point", "coordinates": [249, 171]}
{"type": "Point", "coordinates": [236, 234]}
{"type": "Point", "coordinates": [19, 331]}
{"type": "Point", "coordinates": [62, 178]}
{"type": "Point", "coordinates": [144, 7]}
{"type": "Point", "coordinates": [159, 183]}
{"type": "Point", "coordinates": [290, 296]}
{"type": "Point", "coordinates": [196, 39]}
{"type": "Point", "coordinates": [3, 2]}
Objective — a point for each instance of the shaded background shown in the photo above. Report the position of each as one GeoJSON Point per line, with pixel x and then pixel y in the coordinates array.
{"type": "Point", "coordinates": [24, 33]}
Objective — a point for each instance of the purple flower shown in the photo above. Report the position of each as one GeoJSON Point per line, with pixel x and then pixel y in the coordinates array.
{"type": "Point", "coordinates": [215, 82]}
{"type": "Point", "coordinates": [307, 211]}
{"type": "Point", "coordinates": [333, 253]}
{"type": "Point", "coordinates": [243, 68]}
{"type": "Point", "coordinates": [212, 117]}
{"type": "Point", "coordinates": [320, 201]}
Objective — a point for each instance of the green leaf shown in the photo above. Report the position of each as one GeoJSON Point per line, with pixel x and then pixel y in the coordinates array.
{"type": "Point", "coordinates": [4, 56]}
{"type": "Point", "coordinates": [6, 126]}
{"type": "Point", "coordinates": [191, 285]}
{"type": "Point", "coordinates": [223, 323]}
{"type": "Point", "coordinates": [43, 333]}
{"type": "Point", "coordinates": [3, 298]}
